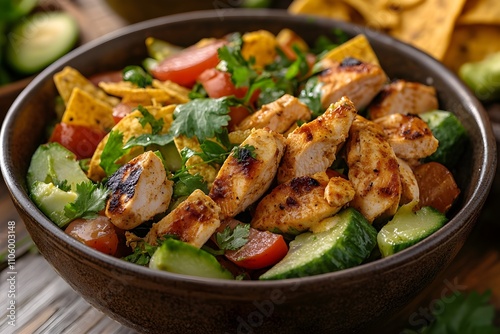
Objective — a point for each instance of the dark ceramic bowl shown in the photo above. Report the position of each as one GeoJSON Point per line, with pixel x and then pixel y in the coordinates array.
{"type": "Point", "coordinates": [153, 301]}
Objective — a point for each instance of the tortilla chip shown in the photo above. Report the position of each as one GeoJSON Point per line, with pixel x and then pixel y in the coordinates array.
{"type": "Point", "coordinates": [335, 9]}
{"type": "Point", "coordinates": [131, 93]}
{"type": "Point", "coordinates": [429, 26]}
{"type": "Point", "coordinates": [357, 47]}
{"type": "Point", "coordinates": [471, 43]}
{"type": "Point", "coordinates": [84, 109]}
{"type": "Point", "coordinates": [259, 45]}
{"type": "Point", "coordinates": [481, 12]}
{"type": "Point", "coordinates": [375, 14]}
{"type": "Point", "coordinates": [130, 127]}
{"type": "Point", "coordinates": [400, 4]}
{"type": "Point", "coordinates": [70, 78]}
{"type": "Point", "coordinates": [178, 94]}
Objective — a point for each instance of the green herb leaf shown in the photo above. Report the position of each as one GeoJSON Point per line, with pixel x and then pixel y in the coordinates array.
{"type": "Point", "coordinates": [202, 118]}
{"type": "Point", "coordinates": [243, 153]}
{"type": "Point", "coordinates": [232, 239]}
{"type": "Point", "coordinates": [136, 75]}
{"type": "Point", "coordinates": [463, 313]}
{"type": "Point", "coordinates": [113, 150]}
{"type": "Point", "coordinates": [185, 183]}
{"type": "Point", "coordinates": [149, 139]}
{"type": "Point", "coordinates": [212, 152]}
{"type": "Point", "coordinates": [91, 199]}
{"type": "Point", "coordinates": [148, 118]}
{"type": "Point", "coordinates": [311, 96]}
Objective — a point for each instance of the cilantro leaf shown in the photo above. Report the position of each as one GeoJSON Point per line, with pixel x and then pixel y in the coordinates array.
{"type": "Point", "coordinates": [202, 118]}
{"type": "Point", "coordinates": [311, 96]}
{"type": "Point", "coordinates": [149, 139]}
{"type": "Point", "coordinates": [136, 75]}
{"type": "Point", "coordinates": [463, 313]}
{"type": "Point", "coordinates": [148, 118]}
{"type": "Point", "coordinates": [185, 183]}
{"type": "Point", "coordinates": [212, 152]}
{"type": "Point", "coordinates": [243, 153]}
{"type": "Point", "coordinates": [91, 199]}
{"type": "Point", "coordinates": [232, 239]}
{"type": "Point", "coordinates": [113, 150]}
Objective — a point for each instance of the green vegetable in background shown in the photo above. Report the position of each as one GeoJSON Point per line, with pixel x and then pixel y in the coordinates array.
{"type": "Point", "coordinates": [483, 77]}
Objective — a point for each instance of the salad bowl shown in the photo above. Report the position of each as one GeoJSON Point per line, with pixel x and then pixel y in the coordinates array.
{"type": "Point", "coordinates": [152, 301]}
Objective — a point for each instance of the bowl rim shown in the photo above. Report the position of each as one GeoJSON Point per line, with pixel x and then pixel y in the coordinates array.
{"type": "Point", "coordinates": [411, 254]}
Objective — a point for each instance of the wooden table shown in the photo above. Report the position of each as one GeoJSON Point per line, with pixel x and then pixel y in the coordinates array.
{"type": "Point", "coordinates": [46, 304]}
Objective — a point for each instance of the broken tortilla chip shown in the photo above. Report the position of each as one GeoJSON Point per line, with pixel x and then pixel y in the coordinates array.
{"type": "Point", "coordinates": [357, 47]}
{"type": "Point", "coordinates": [84, 109]}
{"type": "Point", "coordinates": [69, 78]}
{"type": "Point", "coordinates": [335, 9]}
{"type": "Point", "coordinates": [481, 12]}
{"type": "Point", "coordinates": [419, 25]}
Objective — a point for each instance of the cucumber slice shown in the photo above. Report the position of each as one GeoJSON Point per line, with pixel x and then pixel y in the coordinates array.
{"type": "Point", "coordinates": [39, 40]}
{"type": "Point", "coordinates": [345, 245]}
{"type": "Point", "coordinates": [54, 163]}
{"type": "Point", "coordinates": [450, 133]}
{"type": "Point", "coordinates": [408, 227]}
{"type": "Point", "coordinates": [182, 258]}
{"type": "Point", "coordinates": [51, 200]}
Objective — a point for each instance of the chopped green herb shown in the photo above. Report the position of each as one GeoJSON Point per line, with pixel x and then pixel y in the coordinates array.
{"type": "Point", "coordinates": [148, 118]}
{"type": "Point", "coordinates": [113, 150]}
{"type": "Point", "coordinates": [243, 153]}
{"type": "Point", "coordinates": [311, 96]}
{"type": "Point", "coordinates": [185, 183]}
{"type": "Point", "coordinates": [91, 199]}
{"type": "Point", "coordinates": [202, 118]}
{"type": "Point", "coordinates": [149, 139]}
{"type": "Point", "coordinates": [136, 75]}
{"type": "Point", "coordinates": [232, 239]}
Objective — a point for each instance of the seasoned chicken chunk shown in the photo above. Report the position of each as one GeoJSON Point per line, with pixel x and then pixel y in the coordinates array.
{"type": "Point", "coordinates": [299, 204]}
{"type": "Point", "coordinates": [360, 82]}
{"type": "Point", "coordinates": [410, 191]}
{"type": "Point", "coordinates": [278, 116]}
{"type": "Point", "coordinates": [408, 135]}
{"type": "Point", "coordinates": [193, 221]}
{"type": "Point", "coordinates": [373, 170]}
{"type": "Point", "coordinates": [312, 147]}
{"type": "Point", "coordinates": [403, 97]}
{"type": "Point", "coordinates": [140, 189]}
{"type": "Point", "coordinates": [248, 172]}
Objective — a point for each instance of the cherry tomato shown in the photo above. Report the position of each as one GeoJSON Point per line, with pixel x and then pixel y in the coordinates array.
{"type": "Point", "coordinates": [112, 76]}
{"type": "Point", "coordinates": [218, 84]}
{"type": "Point", "coordinates": [121, 110]}
{"type": "Point", "coordinates": [98, 233]}
{"type": "Point", "coordinates": [437, 186]}
{"type": "Point", "coordinates": [184, 67]}
{"type": "Point", "coordinates": [262, 250]}
{"type": "Point", "coordinates": [79, 139]}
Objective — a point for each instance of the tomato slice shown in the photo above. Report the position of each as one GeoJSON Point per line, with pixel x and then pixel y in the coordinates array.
{"type": "Point", "coordinates": [98, 233]}
{"type": "Point", "coordinates": [111, 76]}
{"type": "Point", "coordinates": [262, 250]}
{"type": "Point", "coordinates": [184, 67]}
{"type": "Point", "coordinates": [121, 110]}
{"type": "Point", "coordinates": [79, 139]}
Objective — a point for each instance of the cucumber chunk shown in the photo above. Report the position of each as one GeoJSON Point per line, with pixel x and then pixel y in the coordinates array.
{"type": "Point", "coordinates": [39, 40]}
{"type": "Point", "coordinates": [51, 200]}
{"type": "Point", "coordinates": [408, 227]}
{"type": "Point", "coordinates": [450, 133]}
{"type": "Point", "coordinates": [182, 258]}
{"type": "Point", "coordinates": [345, 245]}
{"type": "Point", "coordinates": [54, 163]}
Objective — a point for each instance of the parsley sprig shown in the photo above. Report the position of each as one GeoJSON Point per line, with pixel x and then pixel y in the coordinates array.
{"type": "Point", "coordinates": [232, 239]}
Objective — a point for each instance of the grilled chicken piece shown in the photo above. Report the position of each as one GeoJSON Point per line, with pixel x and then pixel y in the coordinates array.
{"type": "Point", "coordinates": [278, 116]}
{"type": "Point", "coordinates": [312, 147]}
{"type": "Point", "coordinates": [244, 178]}
{"type": "Point", "coordinates": [373, 170]}
{"type": "Point", "coordinates": [410, 191]}
{"type": "Point", "coordinates": [194, 220]}
{"type": "Point", "coordinates": [299, 204]}
{"type": "Point", "coordinates": [403, 97]}
{"type": "Point", "coordinates": [360, 82]}
{"type": "Point", "coordinates": [139, 190]}
{"type": "Point", "coordinates": [408, 135]}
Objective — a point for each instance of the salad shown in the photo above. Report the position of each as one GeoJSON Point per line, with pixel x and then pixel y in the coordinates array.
{"type": "Point", "coordinates": [252, 156]}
